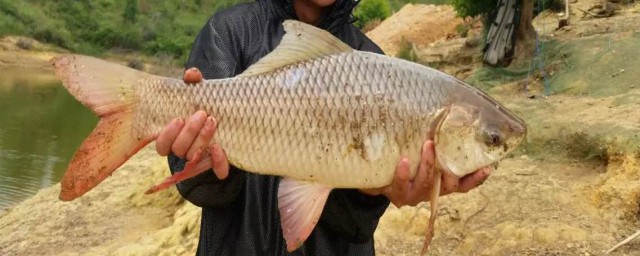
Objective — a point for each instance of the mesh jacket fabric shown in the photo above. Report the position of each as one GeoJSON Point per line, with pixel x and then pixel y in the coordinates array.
{"type": "Point", "coordinates": [240, 214]}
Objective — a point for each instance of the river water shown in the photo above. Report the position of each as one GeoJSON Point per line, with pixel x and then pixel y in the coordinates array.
{"type": "Point", "coordinates": [41, 126]}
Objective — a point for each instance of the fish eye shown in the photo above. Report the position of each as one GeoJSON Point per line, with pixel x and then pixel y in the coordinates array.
{"type": "Point", "coordinates": [493, 138]}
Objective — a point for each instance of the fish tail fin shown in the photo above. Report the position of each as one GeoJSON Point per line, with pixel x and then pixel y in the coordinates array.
{"type": "Point", "coordinates": [108, 90]}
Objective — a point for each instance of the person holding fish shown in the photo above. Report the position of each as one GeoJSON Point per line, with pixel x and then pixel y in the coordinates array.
{"type": "Point", "coordinates": [239, 209]}
{"type": "Point", "coordinates": [316, 131]}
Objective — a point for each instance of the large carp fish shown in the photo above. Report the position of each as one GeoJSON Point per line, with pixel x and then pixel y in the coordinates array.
{"type": "Point", "coordinates": [314, 111]}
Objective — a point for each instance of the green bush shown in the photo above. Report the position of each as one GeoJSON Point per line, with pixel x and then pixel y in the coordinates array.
{"type": "Point", "coordinates": [10, 25]}
{"type": "Point", "coordinates": [371, 10]}
{"type": "Point", "coordinates": [555, 5]}
{"type": "Point", "coordinates": [49, 32]}
{"type": "Point", "coordinates": [130, 11]}
{"type": "Point", "coordinates": [114, 37]}
{"type": "Point", "coordinates": [178, 47]}
{"type": "Point", "coordinates": [398, 4]}
{"type": "Point", "coordinates": [406, 51]}
{"type": "Point", "coordinates": [473, 8]}
{"type": "Point", "coordinates": [159, 28]}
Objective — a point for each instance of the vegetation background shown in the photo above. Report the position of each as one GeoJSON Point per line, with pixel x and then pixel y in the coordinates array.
{"type": "Point", "coordinates": [164, 29]}
{"type": "Point", "coordinates": [96, 26]}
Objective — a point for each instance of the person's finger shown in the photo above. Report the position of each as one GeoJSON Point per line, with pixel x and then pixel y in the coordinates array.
{"type": "Point", "coordinates": [203, 138]}
{"type": "Point", "coordinates": [398, 189]}
{"type": "Point", "coordinates": [474, 180]}
{"type": "Point", "coordinates": [191, 129]}
{"type": "Point", "coordinates": [219, 162]}
{"type": "Point", "coordinates": [192, 76]}
{"type": "Point", "coordinates": [167, 136]}
{"type": "Point", "coordinates": [450, 183]}
{"type": "Point", "coordinates": [423, 180]}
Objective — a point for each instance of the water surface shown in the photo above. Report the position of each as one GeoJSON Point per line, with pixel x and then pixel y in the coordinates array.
{"type": "Point", "coordinates": [41, 126]}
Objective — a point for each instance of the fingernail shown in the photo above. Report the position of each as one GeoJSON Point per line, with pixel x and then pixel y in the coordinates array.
{"type": "Point", "coordinates": [196, 117]}
{"type": "Point", "coordinates": [214, 150]}
{"type": "Point", "coordinates": [208, 127]}
{"type": "Point", "coordinates": [487, 171]}
{"type": "Point", "coordinates": [192, 75]}
{"type": "Point", "coordinates": [427, 146]}
{"type": "Point", "coordinates": [210, 122]}
{"type": "Point", "coordinates": [177, 122]}
{"type": "Point", "coordinates": [405, 162]}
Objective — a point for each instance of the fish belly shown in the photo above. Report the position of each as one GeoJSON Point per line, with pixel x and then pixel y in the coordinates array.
{"type": "Point", "coordinates": [343, 120]}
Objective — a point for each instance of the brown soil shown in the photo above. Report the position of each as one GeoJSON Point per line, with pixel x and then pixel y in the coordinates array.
{"type": "Point", "coordinates": [583, 25]}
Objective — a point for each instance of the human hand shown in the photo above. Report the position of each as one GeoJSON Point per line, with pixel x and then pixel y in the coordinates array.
{"type": "Point", "coordinates": [185, 139]}
{"type": "Point", "coordinates": [405, 191]}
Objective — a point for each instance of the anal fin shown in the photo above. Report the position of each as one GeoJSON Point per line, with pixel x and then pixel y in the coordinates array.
{"type": "Point", "coordinates": [300, 205]}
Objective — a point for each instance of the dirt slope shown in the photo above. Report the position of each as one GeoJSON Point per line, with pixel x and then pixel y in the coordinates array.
{"type": "Point", "coordinates": [417, 23]}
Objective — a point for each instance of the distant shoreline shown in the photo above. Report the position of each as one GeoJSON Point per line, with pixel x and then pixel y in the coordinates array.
{"type": "Point", "coordinates": [13, 55]}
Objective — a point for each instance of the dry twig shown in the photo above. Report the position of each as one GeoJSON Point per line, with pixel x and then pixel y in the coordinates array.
{"type": "Point", "coordinates": [488, 200]}
{"type": "Point", "coordinates": [629, 239]}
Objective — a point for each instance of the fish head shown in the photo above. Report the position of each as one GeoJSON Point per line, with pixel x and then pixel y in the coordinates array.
{"type": "Point", "coordinates": [475, 132]}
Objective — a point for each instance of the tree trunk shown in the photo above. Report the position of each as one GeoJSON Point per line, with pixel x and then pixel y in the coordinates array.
{"type": "Point", "coordinates": [511, 37]}
{"type": "Point", "coordinates": [525, 35]}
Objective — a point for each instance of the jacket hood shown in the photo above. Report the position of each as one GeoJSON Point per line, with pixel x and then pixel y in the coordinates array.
{"type": "Point", "coordinates": [340, 12]}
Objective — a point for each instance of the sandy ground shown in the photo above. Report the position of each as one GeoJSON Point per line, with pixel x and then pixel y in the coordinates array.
{"type": "Point", "coordinates": [572, 189]}
{"type": "Point", "coordinates": [114, 219]}
{"type": "Point", "coordinates": [583, 25]}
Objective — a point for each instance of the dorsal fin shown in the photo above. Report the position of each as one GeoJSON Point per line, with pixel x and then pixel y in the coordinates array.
{"type": "Point", "coordinates": [300, 42]}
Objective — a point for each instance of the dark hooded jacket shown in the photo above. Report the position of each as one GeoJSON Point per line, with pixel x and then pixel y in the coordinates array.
{"type": "Point", "coordinates": [240, 214]}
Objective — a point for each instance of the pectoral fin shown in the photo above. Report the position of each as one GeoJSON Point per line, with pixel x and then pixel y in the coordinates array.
{"type": "Point", "coordinates": [300, 204]}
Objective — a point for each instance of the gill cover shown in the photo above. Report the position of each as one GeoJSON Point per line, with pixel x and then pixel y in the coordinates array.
{"type": "Point", "coordinates": [476, 133]}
